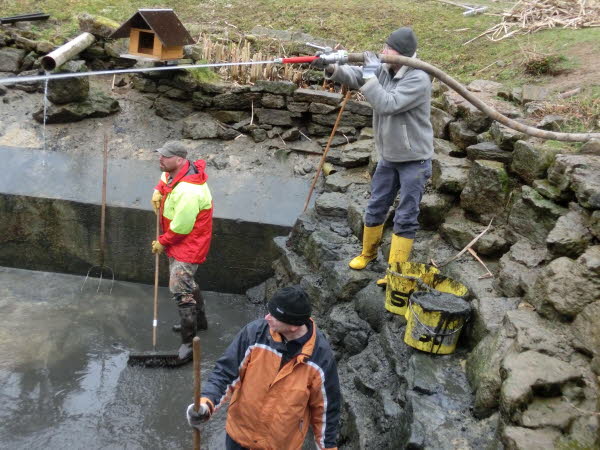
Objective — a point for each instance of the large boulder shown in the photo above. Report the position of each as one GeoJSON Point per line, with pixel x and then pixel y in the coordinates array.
{"type": "Point", "coordinates": [586, 329]}
{"type": "Point", "coordinates": [348, 119]}
{"type": "Point", "coordinates": [171, 109]}
{"type": "Point", "coordinates": [70, 89]}
{"type": "Point", "coordinates": [356, 154]}
{"type": "Point", "coordinates": [580, 174]}
{"type": "Point", "coordinates": [439, 121]}
{"type": "Point", "coordinates": [233, 100]}
{"type": "Point", "coordinates": [97, 25]}
{"type": "Point", "coordinates": [489, 313]}
{"type": "Point", "coordinates": [518, 268]}
{"type": "Point", "coordinates": [461, 134]}
{"type": "Point", "coordinates": [97, 104]}
{"type": "Point", "coordinates": [274, 116]}
{"type": "Point", "coordinates": [459, 231]}
{"type": "Point", "coordinates": [518, 438]}
{"type": "Point", "coordinates": [447, 148]}
{"type": "Point", "coordinates": [433, 209]}
{"type": "Point", "coordinates": [532, 332]}
{"type": "Point", "coordinates": [504, 136]}
{"type": "Point", "coordinates": [459, 107]}
{"type": "Point", "coordinates": [564, 288]}
{"type": "Point", "coordinates": [483, 371]}
{"type": "Point", "coordinates": [528, 373]}
{"type": "Point", "coordinates": [311, 95]}
{"type": "Point", "coordinates": [486, 191]}
{"type": "Point", "coordinates": [534, 216]}
{"type": "Point", "coordinates": [347, 330]}
{"type": "Point", "coordinates": [341, 181]}
{"type": "Point", "coordinates": [332, 204]}
{"type": "Point", "coordinates": [449, 175]}
{"type": "Point", "coordinates": [274, 87]}
{"type": "Point", "coordinates": [200, 126]}
{"type": "Point", "coordinates": [11, 59]}
{"type": "Point", "coordinates": [490, 151]}
{"type": "Point", "coordinates": [571, 234]}
{"type": "Point", "coordinates": [532, 159]}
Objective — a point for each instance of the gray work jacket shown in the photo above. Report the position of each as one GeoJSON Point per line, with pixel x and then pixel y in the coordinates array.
{"type": "Point", "coordinates": [401, 110]}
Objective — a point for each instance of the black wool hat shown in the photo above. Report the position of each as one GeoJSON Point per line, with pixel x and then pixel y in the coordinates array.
{"type": "Point", "coordinates": [290, 305]}
{"type": "Point", "coordinates": [404, 41]}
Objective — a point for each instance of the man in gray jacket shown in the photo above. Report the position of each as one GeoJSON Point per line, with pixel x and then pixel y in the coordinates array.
{"type": "Point", "coordinates": [400, 97]}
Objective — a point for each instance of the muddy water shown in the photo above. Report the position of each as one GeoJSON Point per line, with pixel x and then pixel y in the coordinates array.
{"type": "Point", "coordinates": [64, 379]}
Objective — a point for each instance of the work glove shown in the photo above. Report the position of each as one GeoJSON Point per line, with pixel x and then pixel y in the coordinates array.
{"type": "Point", "coordinates": [371, 63]}
{"type": "Point", "coordinates": [195, 419]}
{"type": "Point", "coordinates": [156, 199]}
{"type": "Point", "coordinates": [157, 247]}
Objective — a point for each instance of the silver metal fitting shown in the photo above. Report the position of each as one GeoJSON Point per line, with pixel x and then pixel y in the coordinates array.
{"type": "Point", "coordinates": [340, 57]}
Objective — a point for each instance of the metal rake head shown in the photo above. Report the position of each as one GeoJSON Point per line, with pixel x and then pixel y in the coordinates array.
{"type": "Point", "coordinates": [103, 272]}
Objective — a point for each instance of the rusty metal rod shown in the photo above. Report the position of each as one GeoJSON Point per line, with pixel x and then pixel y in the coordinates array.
{"type": "Point", "coordinates": [477, 102]}
{"type": "Point", "coordinates": [333, 131]}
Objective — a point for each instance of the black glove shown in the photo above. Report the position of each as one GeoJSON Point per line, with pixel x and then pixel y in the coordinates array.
{"type": "Point", "coordinates": [195, 419]}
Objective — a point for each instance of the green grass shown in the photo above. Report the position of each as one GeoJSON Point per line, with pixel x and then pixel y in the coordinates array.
{"type": "Point", "coordinates": [358, 25]}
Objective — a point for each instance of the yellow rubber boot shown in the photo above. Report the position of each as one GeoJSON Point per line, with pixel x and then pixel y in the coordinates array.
{"type": "Point", "coordinates": [371, 241]}
{"type": "Point", "coordinates": [399, 252]}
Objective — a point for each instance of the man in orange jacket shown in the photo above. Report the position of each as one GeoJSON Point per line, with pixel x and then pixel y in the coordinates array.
{"type": "Point", "coordinates": [184, 203]}
{"type": "Point", "coordinates": [281, 375]}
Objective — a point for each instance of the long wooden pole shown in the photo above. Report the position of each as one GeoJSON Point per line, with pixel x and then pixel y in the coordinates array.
{"type": "Point", "coordinates": [156, 261]}
{"type": "Point", "coordinates": [333, 130]}
{"type": "Point", "coordinates": [197, 381]}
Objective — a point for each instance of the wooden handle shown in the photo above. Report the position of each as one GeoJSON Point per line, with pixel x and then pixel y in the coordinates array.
{"type": "Point", "coordinates": [156, 261]}
{"type": "Point", "coordinates": [196, 350]}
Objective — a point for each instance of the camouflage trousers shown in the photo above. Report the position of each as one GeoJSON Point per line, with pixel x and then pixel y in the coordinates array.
{"type": "Point", "coordinates": [181, 281]}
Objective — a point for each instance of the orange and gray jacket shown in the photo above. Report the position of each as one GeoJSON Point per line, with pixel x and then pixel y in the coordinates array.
{"type": "Point", "coordinates": [271, 405]}
{"type": "Point", "coordinates": [186, 213]}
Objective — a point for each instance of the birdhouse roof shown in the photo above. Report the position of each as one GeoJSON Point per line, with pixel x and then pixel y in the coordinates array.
{"type": "Point", "coordinates": [164, 22]}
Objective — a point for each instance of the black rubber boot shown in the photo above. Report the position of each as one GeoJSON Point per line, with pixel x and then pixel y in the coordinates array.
{"type": "Point", "coordinates": [187, 316]}
{"type": "Point", "coordinates": [201, 320]}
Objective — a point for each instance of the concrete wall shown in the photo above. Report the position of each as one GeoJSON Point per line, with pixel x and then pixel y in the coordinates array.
{"type": "Point", "coordinates": [50, 219]}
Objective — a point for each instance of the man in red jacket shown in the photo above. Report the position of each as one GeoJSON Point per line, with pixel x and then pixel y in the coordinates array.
{"type": "Point", "coordinates": [183, 200]}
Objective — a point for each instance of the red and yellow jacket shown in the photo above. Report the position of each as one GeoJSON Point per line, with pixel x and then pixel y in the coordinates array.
{"type": "Point", "coordinates": [271, 406]}
{"type": "Point", "coordinates": [186, 213]}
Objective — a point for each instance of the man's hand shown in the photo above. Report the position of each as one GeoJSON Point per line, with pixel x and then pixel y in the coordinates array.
{"type": "Point", "coordinates": [157, 247]}
{"type": "Point", "coordinates": [195, 419]}
{"type": "Point", "coordinates": [156, 199]}
{"type": "Point", "coordinates": [371, 63]}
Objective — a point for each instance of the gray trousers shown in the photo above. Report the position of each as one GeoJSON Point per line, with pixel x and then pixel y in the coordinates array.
{"type": "Point", "coordinates": [410, 179]}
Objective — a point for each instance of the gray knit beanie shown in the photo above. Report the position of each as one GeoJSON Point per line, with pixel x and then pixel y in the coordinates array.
{"type": "Point", "coordinates": [404, 41]}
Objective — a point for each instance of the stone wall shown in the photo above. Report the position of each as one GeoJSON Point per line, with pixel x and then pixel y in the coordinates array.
{"type": "Point", "coordinates": [526, 372]}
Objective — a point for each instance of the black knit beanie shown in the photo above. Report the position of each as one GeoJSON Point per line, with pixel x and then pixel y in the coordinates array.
{"type": "Point", "coordinates": [290, 305]}
{"type": "Point", "coordinates": [404, 41]}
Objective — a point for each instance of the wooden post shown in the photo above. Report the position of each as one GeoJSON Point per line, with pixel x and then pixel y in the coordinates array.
{"type": "Point", "coordinates": [196, 350]}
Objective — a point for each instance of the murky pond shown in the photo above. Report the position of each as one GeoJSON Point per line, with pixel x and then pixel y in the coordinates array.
{"type": "Point", "coordinates": [64, 379]}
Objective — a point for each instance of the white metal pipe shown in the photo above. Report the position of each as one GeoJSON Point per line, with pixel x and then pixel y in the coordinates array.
{"type": "Point", "coordinates": [65, 52]}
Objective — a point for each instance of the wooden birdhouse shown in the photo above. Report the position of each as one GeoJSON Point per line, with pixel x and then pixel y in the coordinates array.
{"type": "Point", "coordinates": [156, 34]}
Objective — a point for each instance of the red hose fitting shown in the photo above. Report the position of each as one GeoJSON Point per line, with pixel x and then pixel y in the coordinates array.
{"type": "Point", "coordinates": [299, 59]}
